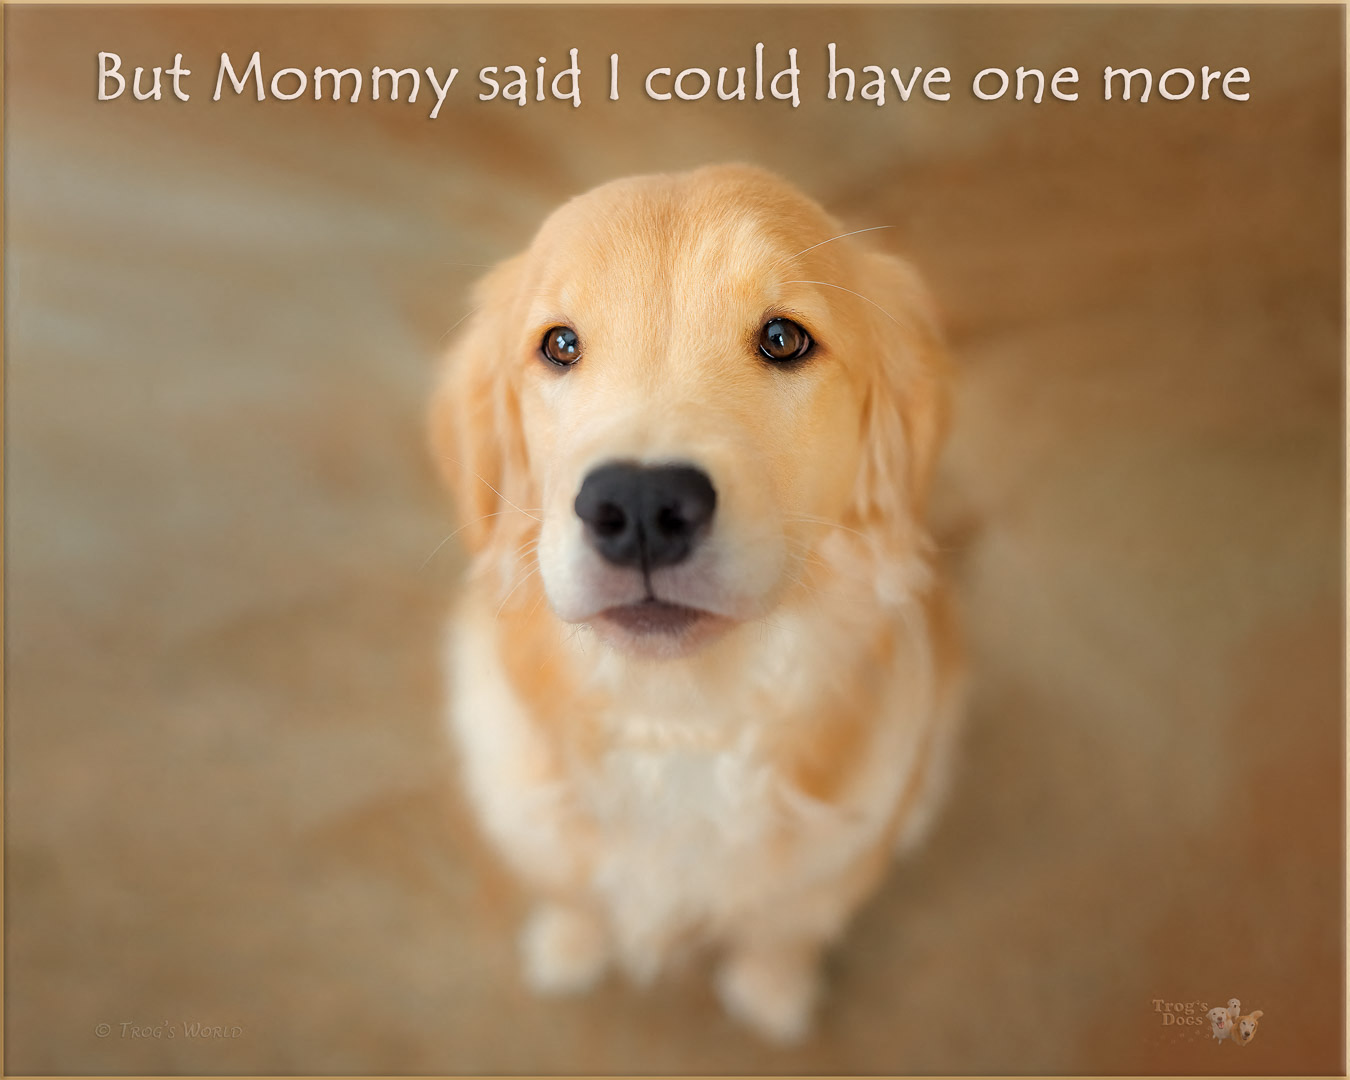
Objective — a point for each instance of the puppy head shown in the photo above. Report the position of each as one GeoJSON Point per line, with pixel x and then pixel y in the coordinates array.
{"type": "Point", "coordinates": [1246, 1027]}
{"type": "Point", "coordinates": [1218, 1016]}
{"type": "Point", "coordinates": [681, 389]}
{"type": "Point", "coordinates": [1234, 1008]}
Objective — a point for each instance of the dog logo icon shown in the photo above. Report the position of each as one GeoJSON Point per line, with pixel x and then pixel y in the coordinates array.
{"type": "Point", "coordinates": [1245, 1031]}
{"type": "Point", "coordinates": [1229, 1023]}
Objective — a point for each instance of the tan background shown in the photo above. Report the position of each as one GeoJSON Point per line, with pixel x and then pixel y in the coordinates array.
{"type": "Point", "coordinates": [227, 796]}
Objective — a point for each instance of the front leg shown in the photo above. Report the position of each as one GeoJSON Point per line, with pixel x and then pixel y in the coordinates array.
{"type": "Point", "coordinates": [523, 800]}
{"type": "Point", "coordinates": [770, 978]}
{"type": "Point", "coordinates": [565, 948]}
{"type": "Point", "coordinates": [772, 987]}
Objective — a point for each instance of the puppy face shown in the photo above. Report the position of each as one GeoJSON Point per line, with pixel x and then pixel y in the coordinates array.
{"type": "Point", "coordinates": [680, 387]}
{"type": "Point", "coordinates": [1218, 1016]}
{"type": "Point", "coordinates": [1246, 1028]}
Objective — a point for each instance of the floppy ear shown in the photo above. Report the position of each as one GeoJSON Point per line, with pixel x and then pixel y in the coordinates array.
{"type": "Point", "coordinates": [1257, 1015]}
{"type": "Point", "coordinates": [477, 437]}
{"type": "Point", "coordinates": [905, 413]}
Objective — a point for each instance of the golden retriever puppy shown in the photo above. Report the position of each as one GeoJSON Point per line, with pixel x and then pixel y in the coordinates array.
{"type": "Point", "coordinates": [703, 679]}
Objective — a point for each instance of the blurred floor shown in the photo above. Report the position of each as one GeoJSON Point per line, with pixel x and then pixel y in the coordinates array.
{"type": "Point", "coordinates": [227, 797]}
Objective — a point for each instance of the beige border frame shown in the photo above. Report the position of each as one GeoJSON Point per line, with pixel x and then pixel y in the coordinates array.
{"type": "Point", "coordinates": [1344, 5]}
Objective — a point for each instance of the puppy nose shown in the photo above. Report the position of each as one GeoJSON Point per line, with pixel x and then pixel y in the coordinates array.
{"type": "Point", "coordinates": [646, 516]}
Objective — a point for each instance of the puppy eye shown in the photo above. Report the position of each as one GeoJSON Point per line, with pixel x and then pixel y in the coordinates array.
{"type": "Point", "coordinates": [782, 340]}
{"type": "Point", "coordinates": [561, 346]}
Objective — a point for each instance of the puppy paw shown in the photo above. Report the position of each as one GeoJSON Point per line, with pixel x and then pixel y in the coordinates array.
{"type": "Point", "coordinates": [564, 950]}
{"type": "Point", "coordinates": [773, 992]}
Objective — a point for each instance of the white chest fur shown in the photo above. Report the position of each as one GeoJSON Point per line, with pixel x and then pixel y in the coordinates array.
{"type": "Point", "coordinates": [684, 826]}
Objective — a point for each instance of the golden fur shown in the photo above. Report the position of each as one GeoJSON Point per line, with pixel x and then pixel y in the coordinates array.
{"type": "Point", "coordinates": [743, 785]}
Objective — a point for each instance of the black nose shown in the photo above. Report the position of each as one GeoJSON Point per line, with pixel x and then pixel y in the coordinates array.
{"type": "Point", "coordinates": [646, 516]}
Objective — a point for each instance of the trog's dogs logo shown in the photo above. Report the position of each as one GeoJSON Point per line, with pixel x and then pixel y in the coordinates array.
{"type": "Point", "coordinates": [1225, 1021]}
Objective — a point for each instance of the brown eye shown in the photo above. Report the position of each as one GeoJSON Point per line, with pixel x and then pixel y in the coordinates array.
{"type": "Point", "coordinates": [783, 340]}
{"type": "Point", "coordinates": [561, 346]}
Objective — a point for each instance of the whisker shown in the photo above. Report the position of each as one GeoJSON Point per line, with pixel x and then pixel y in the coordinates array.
{"type": "Point", "coordinates": [442, 544]}
{"type": "Point", "coordinates": [812, 592]}
{"type": "Point", "coordinates": [532, 571]}
{"type": "Point", "coordinates": [860, 296]}
{"type": "Point", "coordinates": [841, 236]}
{"type": "Point", "coordinates": [765, 623]}
{"type": "Point", "coordinates": [521, 551]}
{"type": "Point", "coordinates": [826, 521]}
{"type": "Point", "coordinates": [537, 601]}
{"type": "Point", "coordinates": [816, 594]}
{"type": "Point", "coordinates": [471, 311]}
{"type": "Point", "coordinates": [456, 461]}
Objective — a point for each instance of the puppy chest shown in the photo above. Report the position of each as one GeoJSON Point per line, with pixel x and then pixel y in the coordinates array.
{"type": "Point", "coordinates": [683, 830]}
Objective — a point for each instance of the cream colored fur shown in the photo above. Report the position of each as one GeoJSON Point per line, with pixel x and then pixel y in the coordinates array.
{"type": "Point", "coordinates": [742, 790]}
